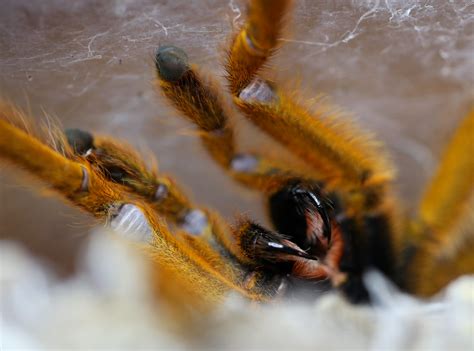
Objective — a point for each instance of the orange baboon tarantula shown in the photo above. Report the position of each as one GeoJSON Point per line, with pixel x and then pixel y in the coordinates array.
{"type": "Point", "coordinates": [333, 220]}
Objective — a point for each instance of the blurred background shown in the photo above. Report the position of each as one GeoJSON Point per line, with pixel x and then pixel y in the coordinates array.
{"type": "Point", "coordinates": [403, 68]}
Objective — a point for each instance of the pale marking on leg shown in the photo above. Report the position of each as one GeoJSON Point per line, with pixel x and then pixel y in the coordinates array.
{"type": "Point", "coordinates": [132, 218]}
{"type": "Point", "coordinates": [194, 222]}
{"type": "Point", "coordinates": [161, 192]}
{"type": "Point", "coordinates": [244, 163]}
{"type": "Point", "coordinates": [131, 223]}
{"type": "Point", "coordinates": [124, 219]}
{"type": "Point", "coordinates": [252, 49]}
{"type": "Point", "coordinates": [259, 91]}
{"type": "Point", "coordinates": [85, 180]}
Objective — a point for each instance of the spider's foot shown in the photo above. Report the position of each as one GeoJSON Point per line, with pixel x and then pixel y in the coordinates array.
{"type": "Point", "coordinates": [80, 140]}
{"type": "Point", "coordinates": [171, 63]}
{"type": "Point", "coordinates": [193, 93]}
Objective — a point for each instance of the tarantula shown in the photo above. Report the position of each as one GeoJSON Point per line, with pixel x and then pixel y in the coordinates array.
{"type": "Point", "coordinates": [333, 220]}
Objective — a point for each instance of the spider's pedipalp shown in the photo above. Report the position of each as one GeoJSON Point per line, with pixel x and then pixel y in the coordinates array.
{"type": "Point", "coordinates": [261, 246]}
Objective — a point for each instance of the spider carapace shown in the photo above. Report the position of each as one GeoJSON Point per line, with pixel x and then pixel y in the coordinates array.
{"type": "Point", "coordinates": [333, 219]}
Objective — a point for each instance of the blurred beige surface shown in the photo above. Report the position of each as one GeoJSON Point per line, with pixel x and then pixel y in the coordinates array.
{"type": "Point", "coordinates": [108, 305]}
{"type": "Point", "coordinates": [403, 68]}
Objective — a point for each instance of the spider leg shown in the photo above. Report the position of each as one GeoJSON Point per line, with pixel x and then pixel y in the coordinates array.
{"type": "Point", "coordinates": [443, 234]}
{"type": "Point", "coordinates": [79, 181]}
{"type": "Point", "coordinates": [341, 158]}
{"type": "Point", "coordinates": [197, 96]}
{"type": "Point", "coordinates": [74, 179]}
{"type": "Point", "coordinates": [198, 228]}
{"type": "Point", "coordinates": [15, 145]}
{"type": "Point", "coordinates": [338, 153]}
{"type": "Point", "coordinates": [256, 41]}
{"type": "Point", "coordinates": [121, 164]}
{"type": "Point", "coordinates": [199, 101]}
{"type": "Point", "coordinates": [72, 176]}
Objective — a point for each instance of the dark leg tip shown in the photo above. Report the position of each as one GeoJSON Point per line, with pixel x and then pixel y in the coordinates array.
{"type": "Point", "coordinates": [79, 140]}
{"type": "Point", "coordinates": [171, 63]}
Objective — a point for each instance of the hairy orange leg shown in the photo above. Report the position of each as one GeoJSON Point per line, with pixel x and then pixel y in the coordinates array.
{"type": "Point", "coordinates": [448, 196]}
{"type": "Point", "coordinates": [63, 175]}
{"type": "Point", "coordinates": [79, 182]}
{"type": "Point", "coordinates": [120, 163]}
{"type": "Point", "coordinates": [339, 159]}
{"type": "Point", "coordinates": [324, 141]}
{"type": "Point", "coordinates": [198, 99]}
{"type": "Point", "coordinates": [443, 233]}
{"type": "Point", "coordinates": [255, 42]}
{"type": "Point", "coordinates": [340, 156]}
{"type": "Point", "coordinates": [199, 228]}
{"type": "Point", "coordinates": [197, 96]}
